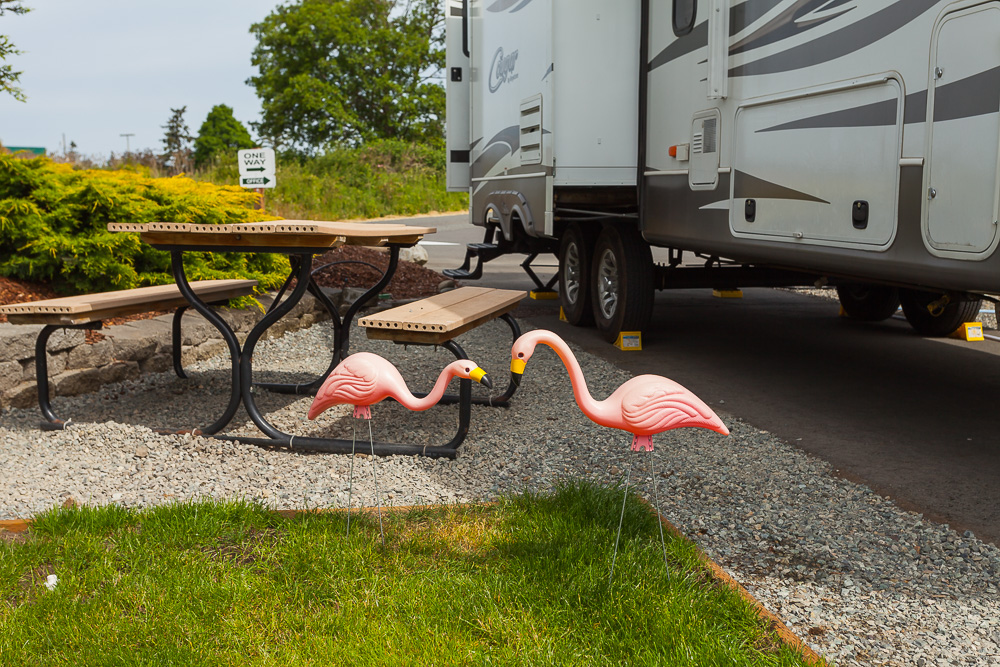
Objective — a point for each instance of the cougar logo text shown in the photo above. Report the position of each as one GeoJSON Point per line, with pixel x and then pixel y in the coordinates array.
{"type": "Point", "coordinates": [502, 69]}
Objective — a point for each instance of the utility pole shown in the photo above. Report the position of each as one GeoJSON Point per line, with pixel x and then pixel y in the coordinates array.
{"type": "Point", "coordinates": [127, 135]}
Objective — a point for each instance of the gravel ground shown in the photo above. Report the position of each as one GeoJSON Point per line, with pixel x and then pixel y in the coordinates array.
{"type": "Point", "coordinates": [858, 579]}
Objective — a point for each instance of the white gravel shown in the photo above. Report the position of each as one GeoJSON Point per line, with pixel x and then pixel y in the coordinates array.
{"type": "Point", "coordinates": [857, 578]}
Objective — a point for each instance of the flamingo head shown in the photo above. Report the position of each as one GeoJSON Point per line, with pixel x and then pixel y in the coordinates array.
{"type": "Point", "coordinates": [520, 353]}
{"type": "Point", "coordinates": [468, 370]}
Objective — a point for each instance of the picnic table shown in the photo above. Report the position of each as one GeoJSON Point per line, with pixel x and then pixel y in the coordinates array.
{"type": "Point", "coordinates": [301, 240]}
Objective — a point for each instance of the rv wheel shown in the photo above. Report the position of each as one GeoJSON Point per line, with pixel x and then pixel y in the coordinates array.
{"type": "Point", "coordinates": [929, 317]}
{"type": "Point", "coordinates": [621, 281]}
{"type": "Point", "coordinates": [575, 252]}
{"type": "Point", "coordinates": [868, 303]}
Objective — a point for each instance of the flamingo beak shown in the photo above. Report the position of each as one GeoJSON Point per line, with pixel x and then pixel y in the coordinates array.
{"type": "Point", "coordinates": [516, 371]}
{"type": "Point", "coordinates": [480, 376]}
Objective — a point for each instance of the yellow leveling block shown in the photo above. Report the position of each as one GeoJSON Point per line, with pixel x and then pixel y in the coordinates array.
{"type": "Point", "coordinates": [970, 331]}
{"type": "Point", "coordinates": [728, 293]}
{"type": "Point", "coordinates": [562, 315]}
{"type": "Point", "coordinates": [629, 341]}
{"type": "Point", "coordinates": [543, 295]}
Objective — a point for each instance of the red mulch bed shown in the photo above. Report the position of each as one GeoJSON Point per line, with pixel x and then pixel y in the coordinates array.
{"type": "Point", "coordinates": [410, 281]}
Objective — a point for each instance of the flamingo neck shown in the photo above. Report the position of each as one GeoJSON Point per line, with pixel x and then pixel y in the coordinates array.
{"type": "Point", "coordinates": [596, 410]}
{"type": "Point", "coordinates": [411, 402]}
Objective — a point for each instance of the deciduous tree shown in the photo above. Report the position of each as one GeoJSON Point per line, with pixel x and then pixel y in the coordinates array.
{"type": "Point", "coordinates": [344, 71]}
{"type": "Point", "coordinates": [221, 133]}
{"type": "Point", "coordinates": [8, 77]}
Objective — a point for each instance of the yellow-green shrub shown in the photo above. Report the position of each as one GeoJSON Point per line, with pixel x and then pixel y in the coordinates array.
{"type": "Point", "coordinates": [53, 227]}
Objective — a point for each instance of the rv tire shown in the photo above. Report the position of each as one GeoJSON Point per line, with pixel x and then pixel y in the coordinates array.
{"type": "Point", "coordinates": [941, 323]}
{"type": "Point", "coordinates": [867, 302]}
{"type": "Point", "coordinates": [575, 253]}
{"type": "Point", "coordinates": [621, 281]}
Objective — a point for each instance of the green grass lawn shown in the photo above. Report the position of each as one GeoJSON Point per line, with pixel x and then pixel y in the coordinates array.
{"type": "Point", "coordinates": [520, 582]}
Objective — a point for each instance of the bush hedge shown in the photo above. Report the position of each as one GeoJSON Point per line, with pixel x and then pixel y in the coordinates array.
{"type": "Point", "coordinates": [53, 227]}
{"type": "Point", "coordinates": [379, 178]}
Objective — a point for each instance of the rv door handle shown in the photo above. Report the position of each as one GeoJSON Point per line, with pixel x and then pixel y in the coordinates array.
{"type": "Point", "coordinates": [931, 193]}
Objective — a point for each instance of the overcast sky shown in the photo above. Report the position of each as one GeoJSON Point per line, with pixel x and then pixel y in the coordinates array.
{"type": "Point", "coordinates": [94, 69]}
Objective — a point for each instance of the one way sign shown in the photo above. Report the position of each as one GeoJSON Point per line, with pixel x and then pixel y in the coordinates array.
{"type": "Point", "coordinates": [256, 167]}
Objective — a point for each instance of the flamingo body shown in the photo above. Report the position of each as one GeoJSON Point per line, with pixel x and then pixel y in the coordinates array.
{"type": "Point", "coordinates": [644, 406]}
{"type": "Point", "coordinates": [364, 379]}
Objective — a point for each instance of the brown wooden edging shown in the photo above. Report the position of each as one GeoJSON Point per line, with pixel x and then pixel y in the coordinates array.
{"type": "Point", "coordinates": [786, 635]}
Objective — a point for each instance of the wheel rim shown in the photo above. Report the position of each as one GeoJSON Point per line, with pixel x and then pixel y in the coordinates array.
{"type": "Point", "coordinates": [571, 275]}
{"type": "Point", "coordinates": [607, 284]}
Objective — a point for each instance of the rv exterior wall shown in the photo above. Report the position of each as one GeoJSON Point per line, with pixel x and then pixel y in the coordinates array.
{"type": "Point", "coordinates": [846, 86]}
{"type": "Point", "coordinates": [595, 107]}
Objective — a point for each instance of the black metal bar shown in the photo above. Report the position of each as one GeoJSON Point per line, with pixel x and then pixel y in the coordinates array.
{"type": "Point", "coordinates": [51, 423]}
{"type": "Point", "coordinates": [281, 291]}
{"type": "Point", "coordinates": [501, 401]}
{"type": "Point", "coordinates": [341, 329]}
{"type": "Point", "coordinates": [526, 265]}
{"type": "Point", "coordinates": [175, 339]}
{"type": "Point", "coordinates": [344, 345]}
{"type": "Point", "coordinates": [246, 367]}
{"type": "Point", "coordinates": [177, 266]}
{"type": "Point", "coordinates": [277, 438]}
{"type": "Point", "coordinates": [338, 446]}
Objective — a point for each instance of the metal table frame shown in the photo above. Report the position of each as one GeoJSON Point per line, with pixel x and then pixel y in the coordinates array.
{"type": "Point", "coordinates": [243, 387]}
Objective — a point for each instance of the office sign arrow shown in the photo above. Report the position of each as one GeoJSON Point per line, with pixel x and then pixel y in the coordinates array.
{"type": "Point", "coordinates": [257, 182]}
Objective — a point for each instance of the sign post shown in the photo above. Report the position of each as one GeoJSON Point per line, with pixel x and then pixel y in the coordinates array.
{"type": "Point", "coordinates": [257, 167]}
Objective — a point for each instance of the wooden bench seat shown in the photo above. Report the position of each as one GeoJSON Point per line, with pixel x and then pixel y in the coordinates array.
{"type": "Point", "coordinates": [440, 318]}
{"type": "Point", "coordinates": [86, 311]}
{"type": "Point", "coordinates": [84, 308]}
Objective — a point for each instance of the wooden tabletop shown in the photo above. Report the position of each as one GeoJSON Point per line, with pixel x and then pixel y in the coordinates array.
{"type": "Point", "coordinates": [276, 234]}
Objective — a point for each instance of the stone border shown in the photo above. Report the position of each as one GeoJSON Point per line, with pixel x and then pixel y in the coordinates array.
{"type": "Point", "coordinates": [128, 350]}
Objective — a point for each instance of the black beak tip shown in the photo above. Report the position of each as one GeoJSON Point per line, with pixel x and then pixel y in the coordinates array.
{"type": "Point", "coordinates": [515, 378]}
{"type": "Point", "coordinates": [486, 382]}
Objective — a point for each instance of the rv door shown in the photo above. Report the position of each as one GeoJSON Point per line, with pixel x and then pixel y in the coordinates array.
{"type": "Point", "coordinates": [458, 86]}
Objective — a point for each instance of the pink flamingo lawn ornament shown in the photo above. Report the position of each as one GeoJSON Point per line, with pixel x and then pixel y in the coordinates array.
{"type": "Point", "coordinates": [363, 379]}
{"type": "Point", "coordinates": [644, 406]}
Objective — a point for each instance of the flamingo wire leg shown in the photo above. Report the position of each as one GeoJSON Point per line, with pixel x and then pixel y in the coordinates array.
{"type": "Point", "coordinates": [350, 478]}
{"type": "Point", "coordinates": [378, 496]}
{"type": "Point", "coordinates": [656, 506]}
{"type": "Point", "coordinates": [628, 473]}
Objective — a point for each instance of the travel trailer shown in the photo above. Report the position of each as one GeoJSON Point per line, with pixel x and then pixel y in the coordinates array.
{"type": "Point", "coordinates": [782, 142]}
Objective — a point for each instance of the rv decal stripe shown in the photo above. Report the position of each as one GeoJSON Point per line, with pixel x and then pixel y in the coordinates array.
{"type": "Point", "coordinates": [746, 186]}
{"type": "Point", "coordinates": [741, 17]}
{"type": "Point", "coordinates": [869, 115]}
{"type": "Point", "coordinates": [789, 23]}
{"type": "Point", "coordinates": [504, 5]}
{"type": "Point", "coordinates": [694, 40]}
{"type": "Point", "coordinates": [503, 143]}
{"type": "Point", "coordinates": [745, 15]}
{"type": "Point", "coordinates": [848, 39]}
{"type": "Point", "coordinates": [974, 96]}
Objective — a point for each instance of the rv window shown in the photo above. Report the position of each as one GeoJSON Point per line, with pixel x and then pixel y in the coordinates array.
{"type": "Point", "coordinates": [684, 11]}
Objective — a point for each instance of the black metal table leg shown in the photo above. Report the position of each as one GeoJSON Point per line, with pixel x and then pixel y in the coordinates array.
{"type": "Point", "coordinates": [177, 265]}
{"type": "Point", "coordinates": [336, 445]}
{"type": "Point", "coordinates": [51, 423]}
{"type": "Point", "coordinates": [341, 327]}
{"type": "Point", "coordinates": [175, 339]}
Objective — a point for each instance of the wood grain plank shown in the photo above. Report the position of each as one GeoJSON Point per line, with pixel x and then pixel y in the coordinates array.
{"type": "Point", "coordinates": [395, 318]}
{"type": "Point", "coordinates": [88, 303]}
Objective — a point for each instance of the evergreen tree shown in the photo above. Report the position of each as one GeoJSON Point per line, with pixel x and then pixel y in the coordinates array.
{"type": "Point", "coordinates": [176, 140]}
{"type": "Point", "coordinates": [221, 134]}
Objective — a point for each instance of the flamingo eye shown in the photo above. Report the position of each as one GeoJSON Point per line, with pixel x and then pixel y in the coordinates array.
{"type": "Point", "coordinates": [468, 370]}
{"type": "Point", "coordinates": [520, 354]}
